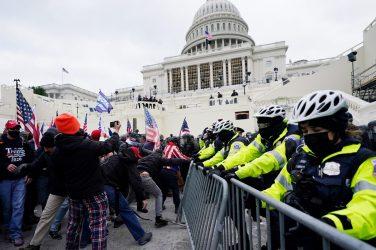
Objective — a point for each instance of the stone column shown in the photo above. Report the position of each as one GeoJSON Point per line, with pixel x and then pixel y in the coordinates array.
{"type": "Point", "coordinates": [229, 73]}
{"type": "Point", "coordinates": [198, 77]}
{"type": "Point", "coordinates": [223, 43]}
{"type": "Point", "coordinates": [243, 68]}
{"type": "Point", "coordinates": [224, 74]}
{"type": "Point", "coordinates": [211, 74]}
{"type": "Point", "coordinates": [182, 79]}
{"type": "Point", "coordinates": [186, 79]}
{"type": "Point", "coordinates": [215, 44]}
{"type": "Point", "coordinates": [170, 80]}
{"type": "Point", "coordinates": [166, 77]}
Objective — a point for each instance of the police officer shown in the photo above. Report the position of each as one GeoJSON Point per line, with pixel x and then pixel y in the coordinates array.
{"type": "Point", "coordinates": [212, 144]}
{"type": "Point", "coordinates": [332, 177]}
{"type": "Point", "coordinates": [231, 140]}
{"type": "Point", "coordinates": [263, 159]}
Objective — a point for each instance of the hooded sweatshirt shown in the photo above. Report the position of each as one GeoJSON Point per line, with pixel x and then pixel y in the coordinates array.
{"type": "Point", "coordinates": [13, 152]}
{"type": "Point", "coordinates": [77, 161]}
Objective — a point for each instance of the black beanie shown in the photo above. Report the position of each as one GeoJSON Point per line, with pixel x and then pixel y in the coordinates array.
{"type": "Point", "coordinates": [48, 140]}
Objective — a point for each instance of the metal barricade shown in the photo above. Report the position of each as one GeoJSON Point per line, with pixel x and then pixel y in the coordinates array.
{"type": "Point", "coordinates": [240, 232]}
{"type": "Point", "coordinates": [203, 207]}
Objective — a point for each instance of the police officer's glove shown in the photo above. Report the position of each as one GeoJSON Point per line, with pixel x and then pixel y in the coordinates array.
{"type": "Point", "coordinates": [199, 164]}
{"type": "Point", "coordinates": [229, 176]}
{"type": "Point", "coordinates": [213, 171]}
{"type": "Point", "coordinates": [226, 172]}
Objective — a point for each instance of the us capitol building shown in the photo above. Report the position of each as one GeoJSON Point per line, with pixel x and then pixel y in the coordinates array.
{"type": "Point", "coordinates": [188, 83]}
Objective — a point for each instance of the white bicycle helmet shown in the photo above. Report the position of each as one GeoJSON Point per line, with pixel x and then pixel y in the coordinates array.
{"type": "Point", "coordinates": [271, 112]}
{"type": "Point", "coordinates": [223, 126]}
{"type": "Point", "coordinates": [318, 104]}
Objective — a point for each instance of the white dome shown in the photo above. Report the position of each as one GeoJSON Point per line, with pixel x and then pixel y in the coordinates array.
{"type": "Point", "coordinates": [223, 22]}
{"type": "Point", "coordinates": [216, 6]}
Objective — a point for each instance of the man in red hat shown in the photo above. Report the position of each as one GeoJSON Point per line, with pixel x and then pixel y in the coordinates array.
{"type": "Point", "coordinates": [13, 152]}
{"type": "Point", "coordinates": [96, 135]}
{"type": "Point", "coordinates": [77, 161]}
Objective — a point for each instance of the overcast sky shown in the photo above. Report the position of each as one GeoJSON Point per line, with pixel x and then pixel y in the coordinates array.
{"type": "Point", "coordinates": [104, 43]}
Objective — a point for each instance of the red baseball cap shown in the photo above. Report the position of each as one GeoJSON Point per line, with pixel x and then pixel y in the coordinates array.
{"type": "Point", "coordinates": [96, 135]}
{"type": "Point", "coordinates": [12, 124]}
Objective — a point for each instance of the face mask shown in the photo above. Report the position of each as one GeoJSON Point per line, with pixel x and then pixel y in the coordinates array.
{"type": "Point", "coordinates": [225, 136]}
{"type": "Point", "coordinates": [14, 133]}
{"type": "Point", "coordinates": [320, 144]}
{"type": "Point", "coordinates": [267, 132]}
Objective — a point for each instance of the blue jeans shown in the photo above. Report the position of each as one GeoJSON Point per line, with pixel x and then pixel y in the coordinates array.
{"type": "Point", "coordinates": [12, 197]}
{"type": "Point", "coordinates": [126, 213]}
{"type": "Point", "coordinates": [60, 215]}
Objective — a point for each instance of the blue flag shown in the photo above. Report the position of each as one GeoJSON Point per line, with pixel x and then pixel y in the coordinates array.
{"type": "Point", "coordinates": [103, 104]}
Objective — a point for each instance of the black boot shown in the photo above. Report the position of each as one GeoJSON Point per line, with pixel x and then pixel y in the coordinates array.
{"type": "Point", "coordinates": [159, 222]}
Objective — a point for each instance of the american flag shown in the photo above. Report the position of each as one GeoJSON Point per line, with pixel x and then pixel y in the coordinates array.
{"type": "Point", "coordinates": [129, 127]}
{"type": "Point", "coordinates": [184, 128]}
{"type": "Point", "coordinates": [151, 129]}
{"type": "Point", "coordinates": [26, 116]}
{"type": "Point", "coordinates": [85, 124]}
{"type": "Point", "coordinates": [208, 36]}
{"type": "Point", "coordinates": [42, 129]}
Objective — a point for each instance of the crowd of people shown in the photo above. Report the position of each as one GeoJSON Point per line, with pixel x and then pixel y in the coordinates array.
{"type": "Point", "coordinates": [317, 162]}
{"type": "Point", "coordinates": [87, 177]}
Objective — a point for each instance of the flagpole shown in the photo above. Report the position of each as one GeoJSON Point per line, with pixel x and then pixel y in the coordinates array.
{"type": "Point", "coordinates": [17, 82]}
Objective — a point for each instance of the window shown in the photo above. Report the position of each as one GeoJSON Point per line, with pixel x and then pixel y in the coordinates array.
{"type": "Point", "coordinates": [205, 75]}
{"type": "Point", "coordinates": [218, 28]}
{"type": "Point", "coordinates": [202, 32]}
{"type": "Point", "coordinates": [229, 26]}
{"type": "Point", "coordinates": [168, 81]}
{"type": "Point", "coordinates": [242, 115]}
{"type": "Point", "coordinates": [227, 73]}
{"type": "Point", "coordinates": [184, 79]}
{"type": "Point", "coordinates": [234, 27]}
{"type": "Point", "coordinates": [246, 65]}
{"type": "Point", "coordinates": [197, 32]}
{"type": "Point", "coordinates": [224, 26]}
{"type": "Point", "coordinates": [238, 27]}
{"type": "Point", "coordinates": [218, 74]}
{"type": "Point", "coordinates": [268, 63]}
{"type": "Point", "coordinates": [236, 71]}
{"type": "Point", "coordinates": [269, 77]}
{"type": "Point", "coordinates": [212, 27]}
{"type": "Point", "coordinates": [192, 77]}
{"type": "Point", "coordinates": [176, 80]}
{"type": "Point", "coordinates": [154, 80]}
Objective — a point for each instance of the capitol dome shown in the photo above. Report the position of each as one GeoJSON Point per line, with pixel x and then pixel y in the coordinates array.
{"type": "Point", "coordinates": [223, 21]}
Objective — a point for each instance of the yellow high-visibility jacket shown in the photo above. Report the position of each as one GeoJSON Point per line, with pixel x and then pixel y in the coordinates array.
{"type": "Point", "coordinates": [360, 211]}
{"type": "Point", "coordinates": [233, 146]}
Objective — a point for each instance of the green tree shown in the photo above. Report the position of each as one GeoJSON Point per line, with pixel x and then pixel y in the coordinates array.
{"type": "Point", "coordinates": [39, 90]}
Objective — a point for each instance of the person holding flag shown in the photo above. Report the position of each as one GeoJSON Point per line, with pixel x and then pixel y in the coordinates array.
{"type": "Point", "coordinates": [184, 128]}
{"type": "Point", "coordinates": [129, 127]}
{"type": "Point", "coordinates": [151, 131]}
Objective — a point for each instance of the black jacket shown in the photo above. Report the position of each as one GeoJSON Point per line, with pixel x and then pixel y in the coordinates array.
{"type": "Point", "coordinates": [120, 171]}
{"type": "Point", "coordinates": [77, 162]}
{"type": "Point", "coordinates": [14, 152]}
{"type": "Point", "coordinates": [44, 164]}
{"type": "Point", "coordinates": [154, 162]}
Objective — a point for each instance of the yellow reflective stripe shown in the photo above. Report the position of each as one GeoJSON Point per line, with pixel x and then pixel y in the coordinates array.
{"type": "Point", "coordinates": [364, 185]}
{"type": "Point", "coordinates": [257, 145]}
{"type": "Point", "coordinates": [278, 157]}
{"type": "Point", "coordinates": [284, 132]}
{"type": "Point", "coordinates": [283, 181]}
